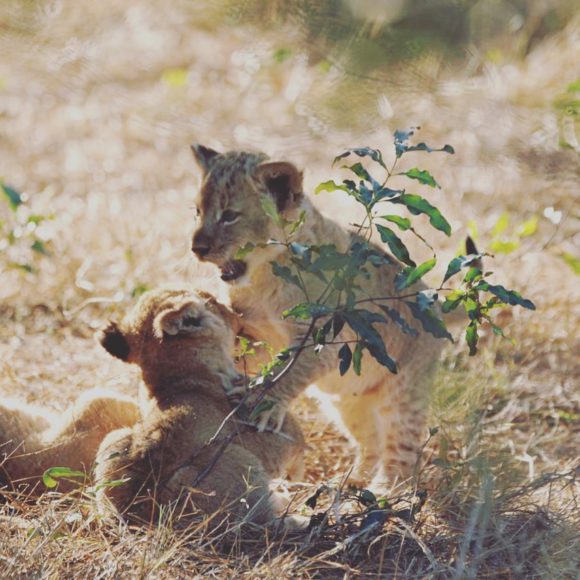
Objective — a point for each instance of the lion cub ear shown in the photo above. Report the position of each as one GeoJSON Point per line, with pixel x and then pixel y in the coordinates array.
{"type": "Point", "coordinates": [184, 320]}
{"type": "Point", "coordinates": [231, 318]}
{"type": "Point", "coordinates": [114, 341]}
{"type": "Point", "coordinates": [203, 156]}
{"type": "Point", "coordinates": [283, 181]}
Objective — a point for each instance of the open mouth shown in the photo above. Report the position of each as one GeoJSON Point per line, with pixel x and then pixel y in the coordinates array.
{"type": "Point", "coordinates": [232, 270]}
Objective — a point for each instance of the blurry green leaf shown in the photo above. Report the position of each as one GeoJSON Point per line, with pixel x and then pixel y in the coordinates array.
{"type": "Point", "coordinates": [403, 223]}
{"type": "Point", "coordinates": [39, 247]}
{"type": "Point", "coordinates": [14, 198]}
{"type": "Point", "coordinates": [504, 246]}
{"type": "Point", "coordinates": [421, 175]}
{"type": "Point", "coordinates": [408, 276]}
{"type": "Point", "coordinates": [471, 337]}
{"type": "Point", "coordinates": [244, 250]}
{"type": "Point", "coordinates": [175, 77]}
{"type": "Point", "coordinates": [331, 185]}
{"type": "Point", "coordinates": [472, 229]}
{"type": "Point", "coordinates": [416, 205]}
{"type": "Point", "coordinates": [270, 209]}
{"type": "Point", "coordinates": [22, 266]}
{"type": "Point", "coordinates": [574, 87]}
{"type": "Point", "coordinates": [395, 244]}
{"type": "Point", "coordinates": [286, 274]}
{"type": "Point", "coordinates": [528, 228]}
{"type": "Point", "coordinates": [501, 224]}
{"type": "Point", "coordinates": [281, 54]}
{"type": "Point", "coordinates": [50, 476]}
{"type": "Point", "coordinates": [345, 356]}
{"type": "Point", "coordinates": [497, 330]}
{"type": "Point", "coordinates": [296, 224]}
{"type": "Point", "coordinates": [139, 290]}
{"type": "Point", "coordinates": [261, 407]}
{"type": "Point", "coordinates": [307, 310]}
{"type": "Point", "coordinates": [572, 261]}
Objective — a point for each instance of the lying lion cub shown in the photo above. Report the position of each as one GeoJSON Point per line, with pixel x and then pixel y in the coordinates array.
{"type": "Point", "coordinates": [183, 344]}
{"type": "Point", "coordinates": [34, 439]}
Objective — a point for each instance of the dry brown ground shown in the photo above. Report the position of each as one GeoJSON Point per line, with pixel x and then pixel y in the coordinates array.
{"type": "Point", "coordinates": [98, 104]}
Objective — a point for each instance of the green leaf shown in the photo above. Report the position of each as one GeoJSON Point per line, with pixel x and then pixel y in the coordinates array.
{"type": "Point", "coordinates": [357, 358]}
{"type": "Point", "coordinates": [452, 301]}
{"type": "Point", "coordinates": [506, 296]}
{"type": "Point", "coordinates": [572, 261]}
{"type": "Point", "coordinates": [39, 247]}
{"type": "Point", "coordinates": [331, 185]}
{"type": "Point", "coordinates": [408, 276]}
{"type": "Point", "coordinates": [471, 337]}
{"type": "Point", "coordinates": [261, 407]}
{"type": "Point", "coordinates": [501, 224]}
{"type": "Point", "coordinates": [423, 176]}
{"type": "Point", "coordinates": [396, 317]}
{"type": "Point", "coordinates": [374, 154]}
{"type": "Point", "coordinates": [458, 263]}
{"type": "Point", "coordinates": [401, 146]}
{"type": "Point", "coordinates": [472, 274]}
{"type": "Point", "coordinates": [270, 209]}
{"type": "Point", "coordinates": [361, 322]}
{"type": "Point", "coordinates": [504, 246]}
{"type": "Point", "coordinates": [359, 170]}
{"type": "Point", "coordinates": [50, 476]}
{"type": "Point", "coordinates": [416, 205]}
{"type": "Point", "coordinates": [286, 274]}
{"type": "Point", "coordinates": [244, 250]}
{"type": "Point", "coordinates": [281, 54]}
{"type": "Point", "coordinates": [395, 244]}
{"type": "Point", "coordinates": [175, 77]}
{"type": "Point", "coordinates": [345, 356]}
{"type": "Point", "coordinates": [528, 228]}
{"type": "Point", "coordinates": [14, 198]}
{"type": "Point", "coordinates": [402, 222]}
{"type": "Point", "coordinates": [297, 223]}
{"type": "Point", "coordinates": [307, 310]}
{"type": "Point", "coordinates": [429, 321]}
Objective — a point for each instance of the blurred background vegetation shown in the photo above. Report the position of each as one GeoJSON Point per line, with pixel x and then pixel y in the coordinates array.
{"type": "Point", "coordinates": [99, 102]}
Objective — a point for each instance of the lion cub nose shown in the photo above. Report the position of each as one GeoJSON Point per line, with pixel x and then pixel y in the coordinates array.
{"type": "Point", "coordinates": [199, 249]}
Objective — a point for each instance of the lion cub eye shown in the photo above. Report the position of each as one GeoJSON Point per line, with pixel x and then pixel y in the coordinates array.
{"type": "Point", "coordinates": [229, 216]}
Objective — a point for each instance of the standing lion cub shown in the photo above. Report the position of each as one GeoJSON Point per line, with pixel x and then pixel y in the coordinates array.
{"type": "Point", "coordinates": [383, 413]}
{"type": "Point", "coordinates": [183, 343]}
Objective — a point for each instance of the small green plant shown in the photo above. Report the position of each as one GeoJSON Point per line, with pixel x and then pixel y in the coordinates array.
{"type": "Point", "coordinates": [343, 300]}
{"type": "Point", "coordinates": [23, 243]}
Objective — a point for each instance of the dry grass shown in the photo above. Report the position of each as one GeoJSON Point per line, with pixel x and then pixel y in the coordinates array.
{"type": "Point", "coordinates": [98, 103]}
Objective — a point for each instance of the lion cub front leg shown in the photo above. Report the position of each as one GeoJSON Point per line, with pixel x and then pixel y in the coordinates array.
{"type": "Point", "coordinates": [307, 367]}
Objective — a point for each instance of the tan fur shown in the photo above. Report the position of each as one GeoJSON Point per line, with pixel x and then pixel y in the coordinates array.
{"type": "Point", "coordinates": [384, 414]}
{"type": "Point", "coordinates": [183, 344]}
{"type": "Point", "coordinates": [33, 439]}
